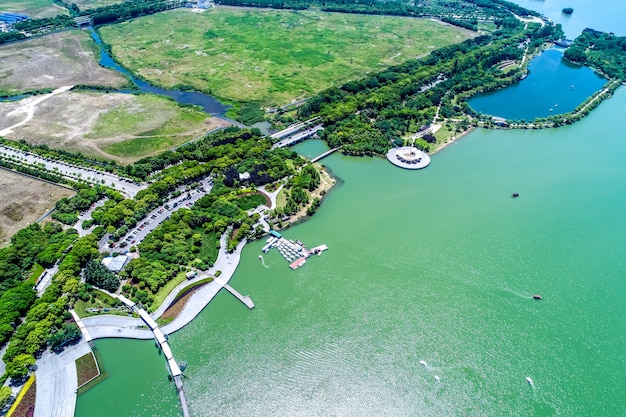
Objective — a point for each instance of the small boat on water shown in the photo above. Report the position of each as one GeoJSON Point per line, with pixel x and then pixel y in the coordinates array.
{"type": "Point", "coordinates": [537, 297]}
{"type": "Point", "coordinates": [423, 363]}
{"type": "Point", "coordinates": [437, 378]}
{"type": "Point", "coordinates": [530, 381]}
{"type": "Point", "coordinates": [514, 195]}
{"type": "Point", "coordinates": [261, 257]}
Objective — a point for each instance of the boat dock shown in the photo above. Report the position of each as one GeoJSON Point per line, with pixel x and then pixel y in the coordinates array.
{"type": "Point", "coordinates": [294, 252]}
{"type": "Point", "coordinates": [243, 298]}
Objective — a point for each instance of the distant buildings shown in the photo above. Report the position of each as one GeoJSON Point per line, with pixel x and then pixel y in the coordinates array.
{"type": "Point", "coordinates": [9, 19]}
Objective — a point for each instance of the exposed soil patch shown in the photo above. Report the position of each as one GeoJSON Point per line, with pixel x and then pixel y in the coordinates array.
{"type": "Point", "coordinates": [23, 200]}
{"type": "Point", "coordinates": [174, 310]}
{"type": "Point", "coordinates": [124, 127]}
{"type": "Point", "coordinates": [52, 61]}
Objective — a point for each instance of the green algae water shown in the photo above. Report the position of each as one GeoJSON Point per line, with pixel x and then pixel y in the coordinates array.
{"type": "Point", "coordinates": [136, 382]}
{"type": "Point", "coordinates": [438, 265]}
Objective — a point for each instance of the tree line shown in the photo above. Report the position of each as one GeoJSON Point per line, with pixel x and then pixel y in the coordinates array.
{"type": "Point", "coordinates": [603, 51]}
{"type": "Point", "coordinates": [368, 116]}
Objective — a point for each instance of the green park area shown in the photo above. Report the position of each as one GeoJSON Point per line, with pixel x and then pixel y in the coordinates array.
{"type": "Point", "coordinates": [267, 56]}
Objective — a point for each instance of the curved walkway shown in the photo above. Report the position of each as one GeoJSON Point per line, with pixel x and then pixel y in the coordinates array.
{"type": "Point", "coordinates": [56, 394]}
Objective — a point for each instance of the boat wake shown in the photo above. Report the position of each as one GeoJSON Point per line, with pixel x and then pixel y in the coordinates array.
{"type": "Point", "coordinates": [526, 295]}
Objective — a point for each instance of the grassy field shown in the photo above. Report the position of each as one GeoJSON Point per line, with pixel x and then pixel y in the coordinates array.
{"type": "Point", "coordinates": [268, 56]}
{"type": "Point", "coordinates": [52, 61]}
{"type": "Point", "coordinates": [23, 200]}
{"type": "Point", "coordinates": [32, 8]}
{"type": "Point", "coordinates": [124, 127]}
{"type": "Point", "coordinates": [91, 4]}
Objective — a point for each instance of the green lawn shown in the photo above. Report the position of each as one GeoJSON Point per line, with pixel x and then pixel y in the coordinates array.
{"type": "Point", "coordinates": [147, 115]}
{"type": "Point", "coordinates": [32, 8]}
{"type": "Point", "coordinates": [148, 124]}
{"type": "Point", "coordinates": [162, 294]}
{"type": "Point", "coordinates": [92, 4]}
{"type": "Point", "coordinates": [269, 56]}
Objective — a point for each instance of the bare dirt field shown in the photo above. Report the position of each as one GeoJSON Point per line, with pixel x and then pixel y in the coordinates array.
{"type": "Point", "coordinates": [23, 200]}
{"type": "Point", "coordinates": [123, 127]}
{"type": "Point", "coordinates": [52, 61]}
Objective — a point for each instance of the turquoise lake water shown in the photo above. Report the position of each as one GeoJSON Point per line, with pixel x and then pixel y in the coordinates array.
{"type": "Point", "coordinates": [438, 265]}
{"type": "Point", "coordinates": [553, 86]}
{"type": "Point", "coordinates": [604, 15]}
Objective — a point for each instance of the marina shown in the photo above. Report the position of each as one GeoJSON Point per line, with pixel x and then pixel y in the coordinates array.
{"type": "Point", "coordinates": [294, 252]}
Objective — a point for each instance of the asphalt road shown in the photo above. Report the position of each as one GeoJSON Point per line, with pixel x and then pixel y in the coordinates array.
{"type": "Point", "coordinates": [157, 216]}
{"type": "Point", "coordinates": [74, 172]}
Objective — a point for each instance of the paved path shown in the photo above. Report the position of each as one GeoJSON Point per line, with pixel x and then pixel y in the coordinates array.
{"type": "Point", "coordinates": [103, 326]}
{"type": "Point", "coordinates": [56, 374]}
{"type": "Point", "coordinates": [157, 216]}
{"type": "Point", "coordinates": [57, 382]}
{"type": "Point", "coordinates": [29, 108]}
{"type": "Point", "coordinates": [73, 172]}
{"type": "Point", "coordinates": [46, 279]}
{"type": "Point", "coordinates": [87, 216]}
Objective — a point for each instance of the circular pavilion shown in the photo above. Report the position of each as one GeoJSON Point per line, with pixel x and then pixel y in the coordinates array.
{"type": "Point", "coordinates": [408, 157]}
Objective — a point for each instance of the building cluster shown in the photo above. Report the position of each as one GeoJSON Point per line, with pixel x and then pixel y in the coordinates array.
{"type": "Point", "coordinates": [7, 20]}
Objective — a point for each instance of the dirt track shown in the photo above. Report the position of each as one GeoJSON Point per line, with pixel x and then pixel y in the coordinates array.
{"type": "Point", "coordinates": [23, 200]}
{"type": "Point", "coordinates": [65, 121]}
{"type": "Point", "coordinates": [52, 61]}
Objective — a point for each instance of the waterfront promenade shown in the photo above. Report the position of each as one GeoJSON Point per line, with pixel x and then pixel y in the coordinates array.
{"type": "Point", "coordinates": [56, 374]}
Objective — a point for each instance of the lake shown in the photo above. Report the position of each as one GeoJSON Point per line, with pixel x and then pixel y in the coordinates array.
{"type": "Point", "coordinates": [438, 265]}
{"type": "Point", "coordinates": [604, 15]}
{"type": "Point", "coordinates": [553, 86]}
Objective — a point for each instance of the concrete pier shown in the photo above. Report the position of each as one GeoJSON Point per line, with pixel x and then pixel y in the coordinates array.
{"type": "Point", "coordinates": [243, 298]}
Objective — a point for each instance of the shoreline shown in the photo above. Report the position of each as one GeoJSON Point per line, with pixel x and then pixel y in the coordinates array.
{"type": "Point", "coordinates": [453, 140]}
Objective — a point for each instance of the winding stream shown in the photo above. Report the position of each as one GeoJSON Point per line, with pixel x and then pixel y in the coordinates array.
{"type": "Point", "coordinates": [210, 104]}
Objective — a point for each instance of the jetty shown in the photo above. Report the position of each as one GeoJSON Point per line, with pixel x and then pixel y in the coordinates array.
{"type": "Point", "coordinates": [294, 252]}
{"type": "Point", "coordinates": [243, 298]}
{"type": "Point", "coordinates": [161, 342]}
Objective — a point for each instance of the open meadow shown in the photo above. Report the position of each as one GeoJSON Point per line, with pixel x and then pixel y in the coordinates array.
{"type": "Point", "coordinates": [268, 56]}
{"type": "Point", "coordinates": [52, 61]}
{"type": "Point", "coordinates": [91, 4]}
{"type": "Point", "coordinates": [32, 8]}
{"type": "Point", "coordinates": [23, 200]}
{"type": "Point", "coordinates": [123, 127]}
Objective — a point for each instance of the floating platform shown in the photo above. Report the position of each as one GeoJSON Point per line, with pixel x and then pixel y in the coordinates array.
{"type": "Point", "coordinates": [297, 263]}
{"type": "Point", "coordinates": [294, 252]}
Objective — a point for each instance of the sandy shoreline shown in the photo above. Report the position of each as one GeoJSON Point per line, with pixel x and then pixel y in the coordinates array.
{"type": "Point", "coordinates": [452, 140]}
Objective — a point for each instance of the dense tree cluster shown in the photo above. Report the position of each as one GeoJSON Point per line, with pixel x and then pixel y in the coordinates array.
{"type": "Point", "coordinates": [68, 209]}
{"type": "Point", "coordinates": [11, 37]}
{"type": "Point", "coordinates": [48, 314]}
{"type": "Point", "coordinates": [368, 116]}
{"type": "Point", "coordinates": [99, 276]}
{"type": "Point", "coordinates": [601, 50]}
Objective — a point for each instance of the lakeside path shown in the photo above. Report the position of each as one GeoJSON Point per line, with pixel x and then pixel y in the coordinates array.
{"type": "Point", "coordinates": [56, 396]}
